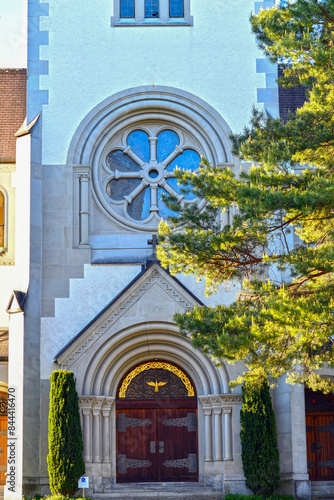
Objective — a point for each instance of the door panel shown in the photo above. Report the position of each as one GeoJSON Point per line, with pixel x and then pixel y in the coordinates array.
{"type": "Point", "coordinates": [177, 430]}
{"type": "Point", "coordinates": [136, 430]}
{"type": "Point", "coordinates": [320, 446]}
{"type": "Point", "coordinates": [324, 447]}
{"type": "Point", "coordinates": [157, 445]}
{"type": "Point", "coordinates": [310, 443]}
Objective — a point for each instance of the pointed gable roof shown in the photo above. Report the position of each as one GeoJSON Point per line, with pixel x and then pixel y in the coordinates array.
{"type": "Point", "coordinates": [172, 290]}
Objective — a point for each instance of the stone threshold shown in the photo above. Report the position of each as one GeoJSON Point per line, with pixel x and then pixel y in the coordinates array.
{"type": "Point", "coordinates": [170, 491]}
{"type": "Point", "coordinates": [322, 490]}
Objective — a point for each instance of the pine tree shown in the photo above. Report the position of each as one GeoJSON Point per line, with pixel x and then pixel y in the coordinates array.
{"type": "Point", "coordinates": [65, 462]}
{"type": "Point", "coordinates": [282, 321]}
{"type": "Point", "coordinates": [260, 457]}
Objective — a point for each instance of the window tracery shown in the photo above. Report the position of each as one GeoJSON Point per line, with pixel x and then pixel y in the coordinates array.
{"type": "Point", "coordinates": [137, 175]}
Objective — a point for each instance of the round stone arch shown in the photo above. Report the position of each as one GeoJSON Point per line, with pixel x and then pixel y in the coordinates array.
{"type": "Point", "coordinates": [138, 343]}
{"type": "Point", "coordinates": [124, 107]}
{"type": "Point", "coordinates": [99, 379]}
{"type": "Point", "coordinates": [203, 130]}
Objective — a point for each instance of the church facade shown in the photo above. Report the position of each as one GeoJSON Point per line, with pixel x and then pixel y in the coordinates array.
{"type": "Point", "coordinates": [120, 93]}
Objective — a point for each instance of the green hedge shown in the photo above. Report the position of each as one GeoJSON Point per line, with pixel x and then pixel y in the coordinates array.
{"type": "Point", "coordinates": [65, 462]}
{"type": "Point", "coordinates": [260, 457]}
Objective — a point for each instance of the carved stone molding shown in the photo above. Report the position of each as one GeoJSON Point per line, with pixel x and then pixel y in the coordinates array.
{"type": "Point", "coordinates": [155, 278]}
{"type": "Point", "coordinates": [7, 167]}
{"type": "Point", "coordinates": [214, 401]}
{"type": "Point", "coordinates": [231, 399]}
{"type": "Point", "coordinates": [205, 401]}
{"type": "Point", "coordinates": [95, 403]}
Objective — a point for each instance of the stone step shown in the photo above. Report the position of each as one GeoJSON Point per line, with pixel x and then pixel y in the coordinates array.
{"type": "Point", "coordinates": [155, 495]}
{"type": "Point", "coordinates": [153, 491]}
{"type": "Point", "coordinates": [322, 490]}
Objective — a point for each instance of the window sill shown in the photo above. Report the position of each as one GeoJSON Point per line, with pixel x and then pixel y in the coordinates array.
{"type": "Point", "coordinates": [117, 23]}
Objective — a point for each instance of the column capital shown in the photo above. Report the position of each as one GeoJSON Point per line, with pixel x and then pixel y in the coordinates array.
{"type": "Point", "coordinates": [205, 402]}
{"type": "Point", "coordinates": [82, 170]}
{"type": "Point", "coordinates": [85, 403]}
{"type": "Point", "coordinates": [107, 405]}
{"type": "Point", "coordinates": [215, 401]}
{"type": "Point", "coordinates": [230, 399]}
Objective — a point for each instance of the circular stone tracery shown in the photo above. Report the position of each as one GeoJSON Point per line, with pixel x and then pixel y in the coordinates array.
{"type": "Point", "coordinates": [144, 171]}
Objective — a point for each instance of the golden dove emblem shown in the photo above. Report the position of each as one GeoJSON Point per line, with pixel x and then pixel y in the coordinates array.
{"type": "Point", "coordinates": [156, 385]}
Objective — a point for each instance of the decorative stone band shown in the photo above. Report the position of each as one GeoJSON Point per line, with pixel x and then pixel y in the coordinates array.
{"type": "Point", "coordinates": [214, 406]}
{"type": "Point", "coordinates": [7, 167]}
{"type": "Point", "coordinates": [95, 413]}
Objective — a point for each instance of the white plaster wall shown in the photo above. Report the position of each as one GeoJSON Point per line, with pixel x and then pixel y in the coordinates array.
{"type": "Point", "coordinates": [225, 294]}
{"type": "Point", "coordinates": [89, 61]}
{"type": "Point", "coordinates": [90, 295]}
{"type": "Point", "coordinates": [87, 298]}
{"type": "Point", "coordinates": [16, 277]}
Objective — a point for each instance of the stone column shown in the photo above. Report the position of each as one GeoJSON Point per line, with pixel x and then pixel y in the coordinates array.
{"type": "Point", "coordinates": [208, 435]}
{"type": "Point", "coordinates": [207, 408]}
{"type": "Point", "coordinates": [218, 432]}
{"type": "Point", "coordinates": [228, 452]}
{"type": "Point", "coordinates": [106, 424]}
{"type": "Point", "coordinates": [217, 415]}
{"type": "Point", "coordinates": [228, 401]}
{"type": "Point", "coordinates": [85, 405]}
{"type": "Point", "coordinates": [84, 213]}
{"type": "Point", "coordinates": [96, 411]}
{"type": "Point", "coordinates": [153, 148]}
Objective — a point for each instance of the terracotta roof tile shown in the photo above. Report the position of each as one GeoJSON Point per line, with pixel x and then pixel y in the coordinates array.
{"type": "Point", "coordinates": [13, 99]}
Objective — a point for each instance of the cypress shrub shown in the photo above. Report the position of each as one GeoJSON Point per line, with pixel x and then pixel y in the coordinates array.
{"type": "Point", "coordinates": [260, 457]}
{"type": "Point", "coordinates": [65, 462]}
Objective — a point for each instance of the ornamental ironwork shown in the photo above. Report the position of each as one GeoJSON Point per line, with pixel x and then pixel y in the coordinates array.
{"type": "Point", "coordinates": [190, 462]}
{"type": "Point", "coordinates": [124, 463]}
{"type": "Point", "coordinates": [154, 380]}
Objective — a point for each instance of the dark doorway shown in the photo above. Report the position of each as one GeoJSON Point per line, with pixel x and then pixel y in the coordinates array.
{"type": "Point", "coordinates": [157, 433]}
{"type": "Point", "coordinates": [320, 435]}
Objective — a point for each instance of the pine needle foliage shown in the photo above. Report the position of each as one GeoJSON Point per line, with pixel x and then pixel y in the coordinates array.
{"type": "Point", "coordinates": [65, 462]}
{"type": "Point", "coordinates": [278, 247]}
{"type": "Point", "coordinates": [260, 457]}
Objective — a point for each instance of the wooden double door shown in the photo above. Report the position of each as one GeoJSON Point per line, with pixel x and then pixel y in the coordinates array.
{"type": "Point", "coordinates": [157, 443]}
{"type": "Point", "coordinates": [320, 446]}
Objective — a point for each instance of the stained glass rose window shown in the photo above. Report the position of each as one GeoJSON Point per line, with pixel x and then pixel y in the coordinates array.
{"type": "Point", "coordinates": [142, 171]}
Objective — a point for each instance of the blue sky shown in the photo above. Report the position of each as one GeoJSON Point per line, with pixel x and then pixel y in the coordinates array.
{"type": "Point", "coordinates": [13, 38]}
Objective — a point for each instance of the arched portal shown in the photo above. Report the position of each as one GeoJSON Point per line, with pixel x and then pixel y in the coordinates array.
{"type": "Point", "coordinates": [156, 425]}
{"type": "Point", "coordinates": [319, 408]}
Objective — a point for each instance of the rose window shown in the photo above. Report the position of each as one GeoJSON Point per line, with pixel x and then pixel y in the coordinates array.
{"type": "Point", "coordinates": [140, 172]}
